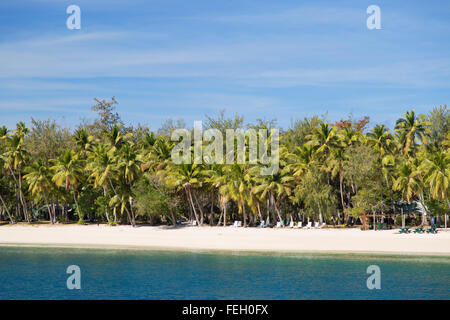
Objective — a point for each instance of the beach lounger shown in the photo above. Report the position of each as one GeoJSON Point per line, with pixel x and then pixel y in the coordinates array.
{"type": "Point", "coordinates": [404, 230]}
{"type": "Point", "coordinates": [194, 223]}
{"type": "Point", "coordinates": [322, 225]}
{"type": "Point", "coordinates": [432, 229]}
{"type": "Point", "coordinates": [419, 230]}
{"type": "Point", "coordinates": [237, 224]}
{"type": "Point", "coordinates": [262, 224]}
{"type": "Point", "coordinates": [308, 226]}
{"type": "Point", "coordinates": [279, 224]}
{"type": "Point", "coordinates": [316, 225]}
{"type": "Point", "coordinates": [267, 224]}
{"type": "Point", "coordinates": [291, 224]}
{"type": "Point", "coordinates": [298, 225]}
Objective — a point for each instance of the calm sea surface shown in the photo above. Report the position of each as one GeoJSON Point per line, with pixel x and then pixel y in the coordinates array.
{"type": "Point", "coordinates": [40, 273]}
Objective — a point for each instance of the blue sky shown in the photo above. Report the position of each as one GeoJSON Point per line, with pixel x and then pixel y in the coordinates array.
{"type": "Point", "coordinates": [184, 59]}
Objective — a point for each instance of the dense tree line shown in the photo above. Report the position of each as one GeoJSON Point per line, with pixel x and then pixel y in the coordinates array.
{"type": "Point", "coordinates": [342, 172]}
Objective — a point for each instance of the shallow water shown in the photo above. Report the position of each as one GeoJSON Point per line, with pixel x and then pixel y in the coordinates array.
{"type": "Point", "coordinates": [40, 273]}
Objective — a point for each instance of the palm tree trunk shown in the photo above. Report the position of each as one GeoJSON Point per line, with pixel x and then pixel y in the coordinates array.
{"type": "Point", "coordinates": [199, 207]}
{"type": "Point", "coordinates": [272, 199]}
{"type": "Point", "coordinates": [106, 206]}
{"type": "Point", "coordinates": [225, 213]}
{"type": "Point", "coordinates": [341, 178]}
{"type": "Point", "coordinates": [424, 220]}
{"type": "Point", "coordinates": [133, 219]}
{"type": "Point", "coordinates": [244, 213]}
{"type": "Point", "coordinates": [22, 199]}
{"type": "Point", "coordinates": [191, 201]}
{"type": "Point", "coordinates": [7, 211]}
{"type": "Point", "coordinates": [259, 211]}
{"type": "Point", "coordinates": [48, 208]}
{"type": "Point", "coordinates": [76, 203]}
{"type": "Point", "coordinates": [278, 213]}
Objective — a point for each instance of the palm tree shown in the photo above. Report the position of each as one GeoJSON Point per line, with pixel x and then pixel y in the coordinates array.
{"type": "Point", "coordinates": [129, 167]}
{"type": "Point", "coordinates": [382, 142]}
{"type": "Point", "coordinates": [336, 165]}
{"type": "Point", "coordinates": [39, 182]}
{"type": "Point", "coordinates": [437, 173]}
{"type": "Point", "coordinates": [301, 159]}
{"type": "Point", "coordinates": [68, 173]}
{"type": "Point", "coordinates": [15, 158]}
{"type": "Point", "coordinates": [409, 181]}
{"type": "Point", "coordinates": [186, 177]}
{"type": "Point", "coordinates": [410, 128]}
{"type": "Point", "coordinates": [83, 141]}
{"type": "Point", "coordinates": [101, 166]}
{"type": "Point", "coordinates": [323, 138]}
{"type": "Point", "coordinates": [237, 187]}
{"type": "Point", "coordinates": [276, 186]}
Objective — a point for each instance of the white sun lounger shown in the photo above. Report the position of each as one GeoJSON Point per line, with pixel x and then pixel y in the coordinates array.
{"type": "Point", "coordinates": [299, 225]}
{"type": "Point", "coordinates": [237, 224]}
{"type": "Point", "coordinates": [291, 224]}
{"type": "Point", "coordinates": [278, 224]}
{"type": "Point", "coordinates": [316, 225]}
{"type": "Point", "coordinates": [308, 226]}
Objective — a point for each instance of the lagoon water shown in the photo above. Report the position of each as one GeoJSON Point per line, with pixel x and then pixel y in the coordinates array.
{"type": "Point", "coordinates": [40, 273]}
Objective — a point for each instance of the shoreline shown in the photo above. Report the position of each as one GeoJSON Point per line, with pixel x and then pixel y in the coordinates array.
{"type": "Point", "coordinates": [229, 240]}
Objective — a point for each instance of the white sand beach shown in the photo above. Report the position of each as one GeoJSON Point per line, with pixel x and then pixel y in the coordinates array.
{"type": "Point", "coordinates": [228, 239]}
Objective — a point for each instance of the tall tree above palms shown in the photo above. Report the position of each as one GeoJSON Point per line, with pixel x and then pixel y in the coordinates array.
{"type": "Point", "coordinates": [68, 174]}
{"type": "Point", "coordinates": [411, 128]}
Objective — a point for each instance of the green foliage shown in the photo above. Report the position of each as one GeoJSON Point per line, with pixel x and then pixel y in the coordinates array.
{"type": "Point", "coordinates": [108, 172]}
{"type": "Point", "coordinates": [151, 199]}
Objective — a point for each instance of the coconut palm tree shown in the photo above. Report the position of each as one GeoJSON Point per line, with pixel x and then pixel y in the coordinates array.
{"type": "Point", "coordinates": [275, 187]}
{"type": "Point", "coordinates": [323, 138]}
{"type": "Point", "coordinates": [238, 187]}
{"type": "Point", "coordinates": [83, 141]}
{"type": "Point", "coordinates": [129, 168]}
{"type": "Point", "coordinates": [336, 164]}
{"type": "Point", "coordinates": [101, 166]}
{"type": "Point", "coordinates": [381, 140]}
{"type": "Point", "coordinates": [68, 173]}
{"type": "Point", "coordinates": [409, 182]}
{"type": "Point", "coordinates": [185, 177]}
{"type": "Point", "coordinates": [301, 159]}
{"type": "Point", "coordinates": [39, 179]}
{"type": "Point", "coordinates": [437, 173]}
{"type": "Point", "coordinates": [15, 158]}
{"type": "Point", "coordinates": [409, 129]}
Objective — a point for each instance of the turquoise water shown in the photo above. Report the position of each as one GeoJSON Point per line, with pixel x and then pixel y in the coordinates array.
{"type": "Point", "coordinates": [40, 273]}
